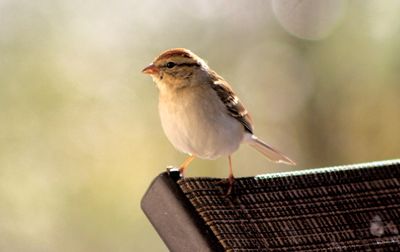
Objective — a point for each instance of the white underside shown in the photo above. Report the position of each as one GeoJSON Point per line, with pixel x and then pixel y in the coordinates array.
{"type": "Point", "coordinates": [195, 127]}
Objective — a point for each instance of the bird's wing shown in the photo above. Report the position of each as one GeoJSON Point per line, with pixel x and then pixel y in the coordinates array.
{"type": "Point", "coordinates": [232, 103]}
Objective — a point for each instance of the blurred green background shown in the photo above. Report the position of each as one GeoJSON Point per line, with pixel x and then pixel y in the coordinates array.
{"type": "Point", "coordinates": [80, 138]}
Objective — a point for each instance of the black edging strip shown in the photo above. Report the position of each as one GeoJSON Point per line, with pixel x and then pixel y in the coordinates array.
{"type": "Point", "coordinates": [175, 218]}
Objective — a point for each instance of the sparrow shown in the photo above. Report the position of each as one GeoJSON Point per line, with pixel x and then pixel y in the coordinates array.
{"type": "Point", "coordinates": [200, 113]}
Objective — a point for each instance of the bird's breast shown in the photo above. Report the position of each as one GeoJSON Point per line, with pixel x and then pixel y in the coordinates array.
{"type": "Point", "coordinates": [196, 121]}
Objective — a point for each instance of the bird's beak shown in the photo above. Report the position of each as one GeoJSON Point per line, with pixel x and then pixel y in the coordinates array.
{"type": "Point", "coordinates": [150, 69]}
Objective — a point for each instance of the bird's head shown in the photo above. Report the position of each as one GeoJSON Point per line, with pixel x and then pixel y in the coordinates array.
{"type": "Point", "coordinates": [175, 67]}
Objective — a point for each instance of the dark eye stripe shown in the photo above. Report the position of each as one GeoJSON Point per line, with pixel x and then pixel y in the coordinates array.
{"type": "Point", "coordinates": [188, 64]}
{"type": "Point", "coordinates": [185, 64]}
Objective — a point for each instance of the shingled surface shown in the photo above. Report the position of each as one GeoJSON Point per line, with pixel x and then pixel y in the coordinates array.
{"type": "Point", "coordinates": [346, 208]}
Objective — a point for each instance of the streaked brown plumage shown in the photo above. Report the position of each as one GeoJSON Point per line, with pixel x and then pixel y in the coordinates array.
{"type": "Point", "coordinates": [199, 111]}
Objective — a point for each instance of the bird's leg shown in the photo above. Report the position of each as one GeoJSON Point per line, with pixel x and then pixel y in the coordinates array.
{"type": "Point", "coordinates": [231, 178]}
{"type": "Point", "coordinates": [185, 164]}
{"type": "Point", "coordinates": [228, 181]}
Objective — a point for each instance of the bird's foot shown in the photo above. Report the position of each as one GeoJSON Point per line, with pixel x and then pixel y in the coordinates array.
{"type": "Point", "coordinates": [182, 172]}
{"type": "Point", "coordinates": [228, 183]}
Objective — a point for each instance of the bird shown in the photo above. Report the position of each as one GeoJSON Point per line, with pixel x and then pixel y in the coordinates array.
{"type": "Point", "coordinates": [200, 113]}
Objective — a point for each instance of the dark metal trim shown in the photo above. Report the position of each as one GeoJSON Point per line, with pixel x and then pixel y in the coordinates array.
{"type": "Point", "coordinates": [174, 217]}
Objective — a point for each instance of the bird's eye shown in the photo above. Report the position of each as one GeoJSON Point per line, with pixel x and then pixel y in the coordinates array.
{"type": "Point", "coordinates": [170, 64]}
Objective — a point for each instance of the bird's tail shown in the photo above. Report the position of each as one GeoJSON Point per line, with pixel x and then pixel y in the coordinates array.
{"type": "Point", "coordinates": [268, 151]}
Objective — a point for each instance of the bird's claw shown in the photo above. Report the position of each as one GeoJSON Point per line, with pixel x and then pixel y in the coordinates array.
{"type": "Point", "coordinates": [229, 182]}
